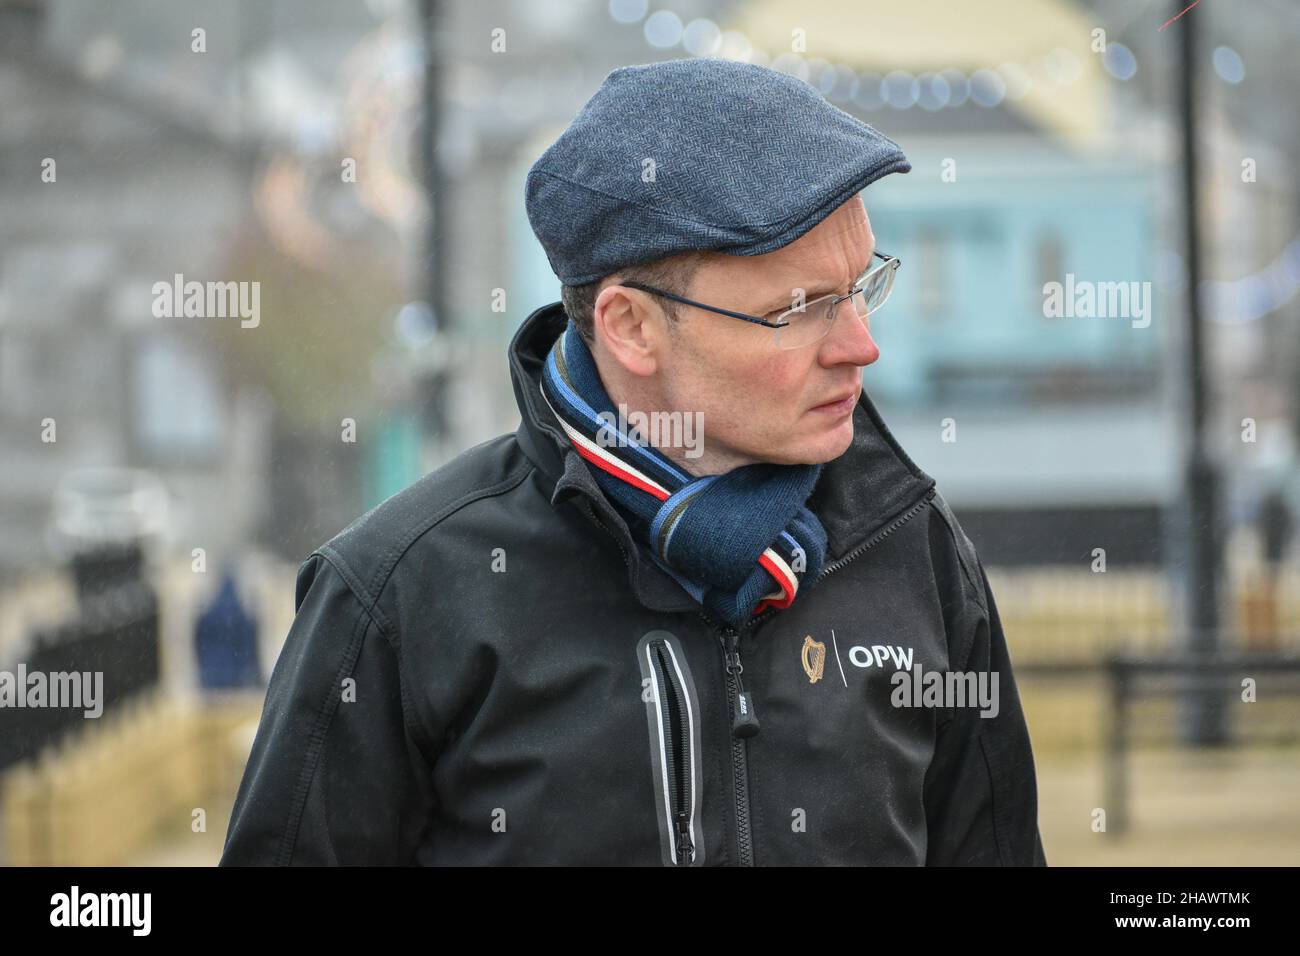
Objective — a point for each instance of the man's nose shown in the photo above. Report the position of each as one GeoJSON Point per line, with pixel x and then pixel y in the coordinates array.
{"type": "Point", "coordinates": [849, 339]}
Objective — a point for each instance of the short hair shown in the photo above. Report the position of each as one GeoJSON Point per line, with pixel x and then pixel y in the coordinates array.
{"type": "Point", "coordinates": [672, 274]}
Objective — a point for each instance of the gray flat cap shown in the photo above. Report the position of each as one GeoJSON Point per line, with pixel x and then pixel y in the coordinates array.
{"type": "Point", "coordinates": [696, 154]}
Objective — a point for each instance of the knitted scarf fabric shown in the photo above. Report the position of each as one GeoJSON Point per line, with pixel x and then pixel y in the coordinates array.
{"type": "Point", "coordinates": [739, 543]}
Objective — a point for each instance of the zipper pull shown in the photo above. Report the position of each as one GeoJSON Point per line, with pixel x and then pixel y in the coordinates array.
{"type": "Point", "coordinates": [745, 723]}
{"type": "Point", "coordinates": [685, 848]}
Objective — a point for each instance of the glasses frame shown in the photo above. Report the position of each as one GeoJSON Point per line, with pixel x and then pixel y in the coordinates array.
{"type": "Point", "coordinates": [890, 262]}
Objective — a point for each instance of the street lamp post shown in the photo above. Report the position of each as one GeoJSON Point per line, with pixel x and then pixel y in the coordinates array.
{"type": "Point", "coordinates": [1201, 710]}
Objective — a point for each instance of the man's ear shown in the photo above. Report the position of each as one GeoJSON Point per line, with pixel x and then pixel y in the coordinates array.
{"type": "Point", "coordinates": [631, 327]}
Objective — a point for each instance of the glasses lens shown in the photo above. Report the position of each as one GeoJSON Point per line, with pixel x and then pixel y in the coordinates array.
{"type": "Point", "coordinates": [805, 325]}
{"type": "Point", "coordinates": [881, 285]}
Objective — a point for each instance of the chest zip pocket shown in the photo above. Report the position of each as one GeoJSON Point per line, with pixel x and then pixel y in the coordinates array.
{"type": "Point", "coordinates": [673, 715]}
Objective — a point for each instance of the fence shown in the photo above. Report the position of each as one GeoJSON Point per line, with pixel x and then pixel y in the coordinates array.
{"type": "Point", "coordinates": [112, 643]}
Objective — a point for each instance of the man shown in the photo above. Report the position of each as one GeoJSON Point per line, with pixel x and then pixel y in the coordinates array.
{"type": "Point", "coordinates": [573, 645]}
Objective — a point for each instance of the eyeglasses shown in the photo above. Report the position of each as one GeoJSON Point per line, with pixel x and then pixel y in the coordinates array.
{"type": "Point", "coordinates": [808, 322]}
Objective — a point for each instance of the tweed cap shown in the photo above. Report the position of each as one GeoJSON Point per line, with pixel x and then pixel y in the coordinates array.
{"type": "Point", "coordinates": [696, 154]}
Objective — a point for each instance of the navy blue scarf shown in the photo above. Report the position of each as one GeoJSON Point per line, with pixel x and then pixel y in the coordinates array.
{"type": "Point", "coordinates": [739, 542]}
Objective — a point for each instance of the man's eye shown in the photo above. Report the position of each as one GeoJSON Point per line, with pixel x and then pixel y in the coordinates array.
{"type": "Point", "coordinates": [797, 308]}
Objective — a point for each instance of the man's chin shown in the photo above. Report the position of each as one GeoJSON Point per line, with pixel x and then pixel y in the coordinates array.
{"type": "Point", "coordinates": [843, 439]}
{"type": "Point", "coordinates": [819, 449]}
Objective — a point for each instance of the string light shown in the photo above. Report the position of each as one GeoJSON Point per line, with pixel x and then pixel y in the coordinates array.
{"type": "Point", "coordinates": [948, 88]}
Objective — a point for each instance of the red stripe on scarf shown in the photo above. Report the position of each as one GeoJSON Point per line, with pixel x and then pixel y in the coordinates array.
{"type": "Point", "coordinates": [617, 472]}
{"type": "Point", "coordinates": [786, 586]}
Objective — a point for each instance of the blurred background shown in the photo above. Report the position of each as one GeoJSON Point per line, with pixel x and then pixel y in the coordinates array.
{"type": "Point", "coordinates": [1130, 480]}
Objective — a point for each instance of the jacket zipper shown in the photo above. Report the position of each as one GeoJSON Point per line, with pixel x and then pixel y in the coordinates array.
{"type": "Point", "coordinates": [675, 740]}
{"type": "Point", "coordinates": [673, 718]}
{"type": "Point", "coordinates": [879, 536]}
{"type": "Point", "coordinates": [744, 724]}
{"type": "Point", "coordinates": [678, 759]}
{"type": "Point", "coordinates": [744, 721]}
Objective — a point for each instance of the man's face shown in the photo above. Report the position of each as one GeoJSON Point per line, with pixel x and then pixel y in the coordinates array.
{"type": "Point", "coordinates": [761, 403]}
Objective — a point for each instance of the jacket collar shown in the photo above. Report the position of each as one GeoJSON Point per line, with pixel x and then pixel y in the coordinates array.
{"type": "Point", "coordinates": [856, 495]}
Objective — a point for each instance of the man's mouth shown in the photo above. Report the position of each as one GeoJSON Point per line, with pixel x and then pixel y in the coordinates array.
{"type": "Point", "coordinates": [838, 406]}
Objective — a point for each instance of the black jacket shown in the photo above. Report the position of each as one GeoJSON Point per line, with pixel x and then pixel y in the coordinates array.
{"type": "Point", "coordinates": [486, 669]}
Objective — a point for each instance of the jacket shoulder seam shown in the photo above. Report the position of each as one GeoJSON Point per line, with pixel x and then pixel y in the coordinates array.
{"type": "Point", "coordinates": [386, 566]}
{"type": "Point", "coordinates": [368, 595]}
{"type": "Point", "coordinates": [358, 589]}
{"type": "Point", "coordinates": [961, 555]}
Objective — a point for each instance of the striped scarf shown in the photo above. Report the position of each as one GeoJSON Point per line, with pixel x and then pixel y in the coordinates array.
{"type": "Point", "coordinates": [739, 543]}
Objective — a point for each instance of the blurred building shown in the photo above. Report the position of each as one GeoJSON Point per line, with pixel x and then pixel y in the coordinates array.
{"type": "Point", "coordinates": [136, 194]}
{"type": "Point", "coordinates": [129, 158]}
{"type": "Point", "coordinates": [1035, 158]}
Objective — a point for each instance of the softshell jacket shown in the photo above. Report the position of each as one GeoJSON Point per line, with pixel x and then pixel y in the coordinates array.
{"type": "Point", "coordinates": [486, 669]}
